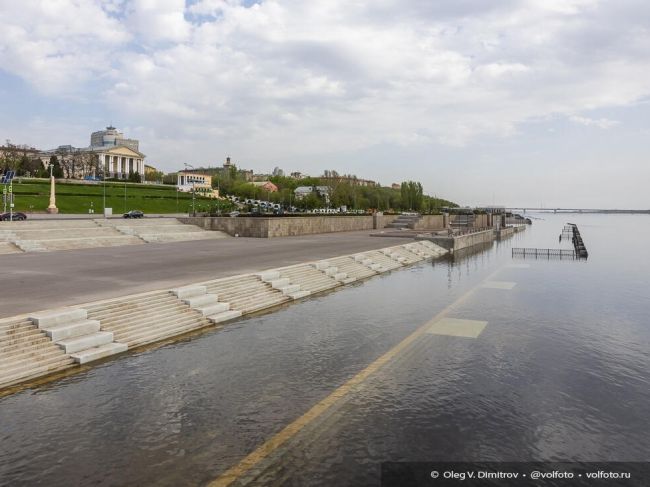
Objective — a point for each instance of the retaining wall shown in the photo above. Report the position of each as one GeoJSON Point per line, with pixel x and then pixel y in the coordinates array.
{"type": "Point", "coordinates": [463, 241]}
{"type": "Point", "coordinates": [429, 222]}
{"type": "Point", "coordinates": [261, 227]}
{"type": "Point", "coordinates": [505, 232]}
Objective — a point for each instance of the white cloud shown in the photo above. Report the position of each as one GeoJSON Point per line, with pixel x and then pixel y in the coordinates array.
{"type": "Point", "coordinates": [158, 20]}
{"type": "Point", "coordinates": [602, 123]}
{"type": "Point", "coordinates": [58, 45]}
{"type": "Point", "coordinates": [287, 77]}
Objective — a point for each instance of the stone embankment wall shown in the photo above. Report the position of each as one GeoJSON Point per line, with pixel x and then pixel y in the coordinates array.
{"type": "Point", "coordinates": [463, 241]}
{"type": "Point", "coordinates": [260, 227]}
{"type": "Point", "coordinates": [505, 232]}
{"type": "Point", "coordinates": [482, 221]}
{"type": "Point", "coordinates": [429, 222]}
{"type": "Point", "coordinates": [508, 231]}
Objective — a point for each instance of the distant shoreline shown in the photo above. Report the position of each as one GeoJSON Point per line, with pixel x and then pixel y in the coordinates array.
{"type": "Point", "coordinates": [633, 212]}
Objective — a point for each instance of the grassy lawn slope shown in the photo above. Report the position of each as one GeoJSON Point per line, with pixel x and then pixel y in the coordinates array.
{"type": "Point", "coordinates": [33, 195]}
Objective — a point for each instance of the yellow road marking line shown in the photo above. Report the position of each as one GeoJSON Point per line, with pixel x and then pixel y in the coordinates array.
{"type": "Point", "coordinates": [506, 285]}
{"type": "Point", "coordinates": [289, 431]}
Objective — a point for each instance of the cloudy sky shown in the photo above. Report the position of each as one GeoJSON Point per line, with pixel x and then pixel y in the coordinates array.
{"type": "Point", "coordinates": [516, 102]}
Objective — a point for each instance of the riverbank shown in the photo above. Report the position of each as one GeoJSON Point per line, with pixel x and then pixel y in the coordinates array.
{"type": "Point", "coordinates": [65, 278]}
{"type": "Point", "coordinates": [40, 343]}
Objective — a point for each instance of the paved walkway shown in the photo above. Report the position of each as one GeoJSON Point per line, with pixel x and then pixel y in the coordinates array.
{"type": "Point", "coordinates": [36, 281]}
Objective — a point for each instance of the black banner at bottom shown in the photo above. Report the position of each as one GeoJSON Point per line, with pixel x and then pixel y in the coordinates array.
{"type": "Point", "coordinates": [506, 474]}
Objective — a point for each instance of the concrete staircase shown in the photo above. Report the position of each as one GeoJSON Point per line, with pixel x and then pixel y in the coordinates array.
{"type": "Point", "coordinates": [383, 260]}
{"type": "Point", "coordinates": [146, 318]}
{"type": "Point", "coordinates": [310, 279]}
{"type": "Point", "coordinates": [53, 340]}
{"type": "Point", "coordinates": [366, 261]}
{"type": "Point", "coordinates": [283, 284]}
{"type": "Point", "coordinates": [353, 268]}
{"type": "Point", "coordinates": [404, 221]}
{"type": "Point", "coordinates": [247, 293]}
{"type": "Point", "coordinates": [197, 298]}
{"type": "Point", "coordinates": [333, 271]}
{"type": "Point", "coordinates": [163, 230]}
{"type": "Point", "coordinates": [421, 250]}
{"type": "Point", "coordinates": [402, 255]}
{"type": "Point", "coordinates": [29, 245]}
{"type": "Point", "coordinates": [78, 337]}
{"type": "Point", "coordinates": [9, 248]}
{"type": "Point", "coordinates": [27, 352]}
{"type": "Point", "coordinates": [178, 237]}
{"type": "Point", "coordinates": [45, 235]}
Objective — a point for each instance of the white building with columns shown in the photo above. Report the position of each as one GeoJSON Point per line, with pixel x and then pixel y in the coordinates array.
{"type": "Point", "coordinates": [109, 151]}
{"type": "Point", "coordinates": [118, 155]}
{"type": "Point", "coordinates": [119, 161]}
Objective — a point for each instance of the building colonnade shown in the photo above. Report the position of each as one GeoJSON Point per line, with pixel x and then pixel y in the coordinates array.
{"type": "Point", "coordinates": [121, 166]}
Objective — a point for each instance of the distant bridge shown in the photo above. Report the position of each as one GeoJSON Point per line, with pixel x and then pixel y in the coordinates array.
{"type": "Point", "coordinates": [524, 209]}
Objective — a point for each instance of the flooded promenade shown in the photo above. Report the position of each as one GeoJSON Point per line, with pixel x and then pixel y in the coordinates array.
{"type": "Point", "coordinates": [478, 357]}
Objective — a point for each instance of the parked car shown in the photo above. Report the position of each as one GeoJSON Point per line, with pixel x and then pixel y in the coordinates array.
{"type": "Point", "coordinates": [15, 216]}
{"type": "Point", "coordinates": [133, 214]}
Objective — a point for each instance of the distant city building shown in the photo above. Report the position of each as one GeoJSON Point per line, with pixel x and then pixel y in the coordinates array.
{"type": "Point", "coordinates": [396, 186]}
{"type": "Point", "coordinates": [266, 186]}
{"type": "Point", "coordinates": [278, 172]}
{"type": "Point", "coordinates": [491, 209]}
{"type": "Point", "coordinates": [303, 191]}
{"type": "Point", "coordinates": [351, 180]}
{"type": "Point", "coordinates": [111, 137]}
{"type": "Point", "coordinates": [152, 174]}
{"type": "Point", "coordinates": [188, 181]}
{"type": "Point", "coordinates": [120, 161]}
{"type": "Point", "coordinates": [298, 175]}
{"type": "Point", "coordinates": [109, 154]}
{"type": "Point", "coordinates": [246, 175]}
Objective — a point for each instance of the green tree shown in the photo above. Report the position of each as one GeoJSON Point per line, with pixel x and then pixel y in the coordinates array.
{"type": "Point", "coordinates": [57, 170]}
{"type": "Point", "coordinates": [412, 195]}
{"type": "Point", "coordinates": [311, 201]}
{"type": "Point", "coordinates": [153, 176]}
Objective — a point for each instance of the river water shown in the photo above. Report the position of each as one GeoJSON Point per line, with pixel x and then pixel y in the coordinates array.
{"type": "Point", "coordinates": [560, 372]}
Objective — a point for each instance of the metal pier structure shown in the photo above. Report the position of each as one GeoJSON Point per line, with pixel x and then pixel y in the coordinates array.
{"type": "Point", "coordinates": [570, 231]}
{"type": "Point", "coordinates": [544, 253]}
